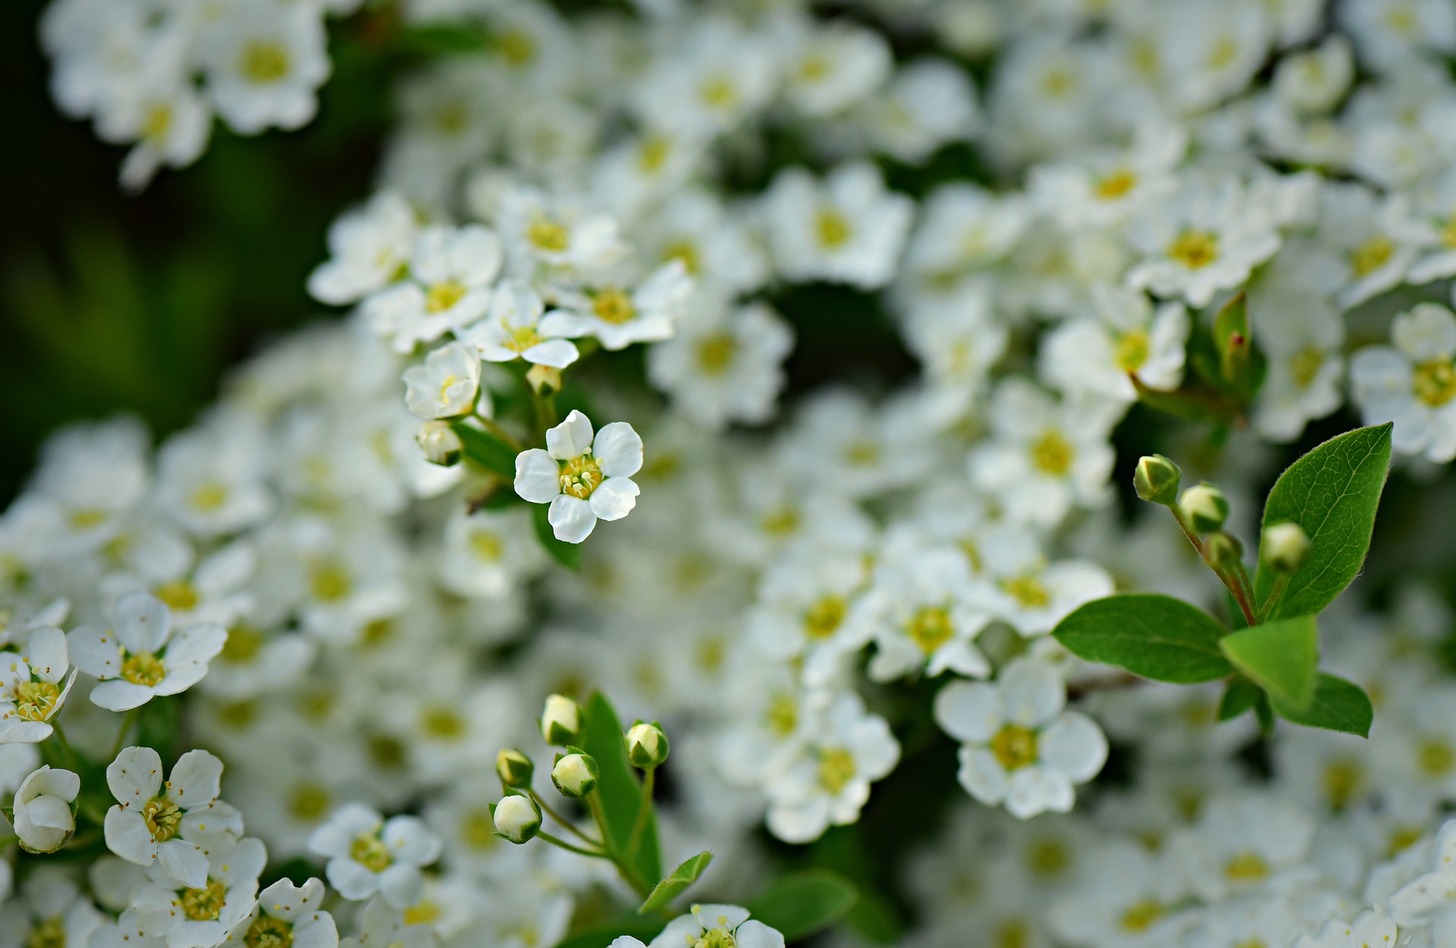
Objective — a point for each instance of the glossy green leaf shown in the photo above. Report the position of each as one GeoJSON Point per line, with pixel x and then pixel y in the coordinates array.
{"type": "Point", "coordinates": [620, 792]}
{"type": "Point", "coordinates": [1152, 636]}
{"type": "Point", "coordinates": [803, 903]}
{"type": "Point", "coordinates": [677, 883]}
{"type": "Point", "coordinates": [486, 451]}
{"type": "Point", "coordinates": [1280, 657]}
{"type": "Point", "coordinates": [567, 554]}
{"type": "Point", "coordinates": [1332, 493]}
{"type": "Point", "coordinates": [1241, 695]}
{"type": "Point", "coordinates": [1337, 705]}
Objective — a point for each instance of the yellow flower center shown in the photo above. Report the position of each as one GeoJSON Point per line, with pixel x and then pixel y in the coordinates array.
{"type": "Point", "coordinates": [1434, 382]}
{"type": "Point", "coordinates": [1447, 232]}
{"type": "Point", "coordinates": [330, 582]}
{"type": "Point", "coordinates": [824, 616]}
{"type": "Point", "coordinates": [143, 668]}
{"type": "Point", "coordinates": [833, 228]}
{"type": "Point", "coordinates": [1133, 349]}
{"type": "Point", "coordinates": [1246, 867]}
{"type": "Point", "coordinates": [836, 769]}
{"type": "Point", "coordinates": [47, 933]}
{"type": "Point", "coordinates": [179, 595]}
{"type": "Point", "coordinates": [782, 716]}
{"type": "Point", "coordinates": [930, 628]}
{"type": "Point", "coordinates": [477, 829]}
{"type": "Point", "coordinates": [653, 154]}
{"type": "Point", "coordinates": [1028, 590]}
{"type": "Point", "coordinates": [243, 643]}
{"type": "Point", "coordinates": [424, 913]}
{"type": "Point", "coordinates": [686, 251]}
{"type": "Point", "coordinates": [1048, 858]}
{"type": "Point", "coordinates": [718, 92]}
{"type": "Point", "coordinates": [1052, 454]}
{"type": "Point", "coordinates": [163, 818]}
{"type": "Point", "coordinates": [443, 723]}
{"type": "Point", "coordinates": [1435, 758]}
{"type": "Point", "coordinates": [516, 48]}
{"type": "Point", "coordinates": [156, 124]}
{"type": "Point", "coordinates": [1012, 934]}
{"type": "Point", "coordinates": [1115, 184]}
{"type": "Point", "coordinates": [548, 235]}
{"type": "Point", "coordinates": [1195, 249]}
{"type": "Point", "coordinates": [204, 904]}
{"type": "Point", "coordinates": [308, 802]}
{"type": "Point", "coordinates": [1305, 364]}
{"type": "Point", "coordinates": [1371, 255]}
{"type": "Point", "coordinates": [613, 306]}
{"type": "Point", "coordinates": [87, 518]}
{"type": "Point", "coordinates": [264, 62]}
{"type": "Point", "coordinates": [1140, 917]}
{"type": "Point", "coordinates": [269, 932]}
{"type": "Point", "coordinates": [370, 852]}
{"type": "Point", "coordinates": [209, 497]}
{"type": "Point", "coordinates": [1343, 779]}
{"type": "Point", "coordinates": [715, 352]}
{"type": "Point", "coordinates": [1014, 746]}
{"type": "Point", "coordinates": [581, 476]}
{"type": "Point", "coordinates": [1058, 82]}
{"type": "Point", "coordinates": [36, 700]}
{"type": "Point", "coordinates": [486, 545]}
{"type": "Point", "coordinates": [521, 338]}
{"type": "Point", "coordinates": [780, 523]}
{"type": "Point", "coordinates": [443, 295]}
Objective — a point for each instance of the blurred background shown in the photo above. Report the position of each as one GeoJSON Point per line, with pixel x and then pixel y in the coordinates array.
{"type": "Point", "coordinates": [113, 302]}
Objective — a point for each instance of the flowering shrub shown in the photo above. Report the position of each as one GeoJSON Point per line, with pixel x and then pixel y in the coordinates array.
{"type": "Point", "coordinates": [799, 382]}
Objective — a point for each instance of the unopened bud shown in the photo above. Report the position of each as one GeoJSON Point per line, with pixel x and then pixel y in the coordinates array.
{"type": "Point", "coordinates": [575, 774]}
{"type": "Point", "coordinates": [543, 379]}
{"type": "Point", "coordinates": [646, 745]}
{"type": "Point", "coordinates": [1283, 546]}
{"type": "Point", "coordinates": [440, 444]}
{"type": "Point", "coordinates": [1223, 551]}
{"type": "Point", "coordinates": [1205, 507]}
{"type": "Point", "coordinates": [517, 818]}
{"type": "Point", "coordinates": [1156, 479]}
{"type": "Point", "coordinates": [514, 768]}
{"type": "Point", "coordinates": [561, 721]}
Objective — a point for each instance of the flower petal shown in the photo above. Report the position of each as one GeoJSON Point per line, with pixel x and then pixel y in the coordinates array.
{"type": "Point", "coordinates": [614, 499]}
{"type": "Point", "coordinates": [571, 519]}
{"type": "Point", "coordinates": [618, 448]}
{"type": "Point", "coordinates": [537, 476]}
{"type": "Point", "coordinates": [570, 439]}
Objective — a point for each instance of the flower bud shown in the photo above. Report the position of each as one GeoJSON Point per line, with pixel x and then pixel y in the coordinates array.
{"type": "Point", "coordinates": [42, 816]}
{"type": "Point", "coordinates": [1205, 507]}
{"type": "Point", "coordinates": [440, 443]}
{"type": "Point", "coordinates": [514, 768]}
{"type": "Point", "coordinates": [561, 721]}
{"type": "Point", "coordinates": [543, 379]}
{"type": "Point", "coordinates": [517, 818]}
{"type": "Point", "coordinates": [646, 745]}
{"type": "Point", "coordinates": [575, 774]}
{"type": "Point", "coordinates": [1223, 551]}
{"type": "Point", "coordinates": [1156, 479]}
{"type": "Point", "coordinates": [1283, 546]}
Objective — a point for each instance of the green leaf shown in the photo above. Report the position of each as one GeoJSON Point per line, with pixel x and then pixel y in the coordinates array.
{"type": "Point", "coordinates": [1155, 637]}
{"type": "Point", "coordinates": [1241, 695]}
{"type": "Point", "coordinates": [1338, 705]}
{"type": "Point", "coordinates": [1332, 493]}
{"type": "Point", "coordinates": [677, 883]}
{"type": "Point", "coordinates": [803, 903]}
{"type": "Point", "coordinates": [443, 39]}
{"type": "Point", "coordinates": [1281, 657]}
{"type": "Point", "coordinates": [485, 450]}
{"type": "Point", "coordinates": [602, 936]}
{"type": "Point", "coordinates": [619, 792]}
{"type": "Point", "coordinates": [567, 554]}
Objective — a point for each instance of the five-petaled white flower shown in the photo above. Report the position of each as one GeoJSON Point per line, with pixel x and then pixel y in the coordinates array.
{"type": "Point", "coordinates": [33, 686]}
{"type": "Point", "coordinates": [368, 854]}
{"type": "Point", "coordinates": [161, 821]}
{"type": "Point", "coordinates": [141, 656]}
{"type": "Point", "coordinates": [446, 385]}
{"type": "Point", "coordinates": [516, 327]}
{"type": "Point", "coordinates": [584, 479]}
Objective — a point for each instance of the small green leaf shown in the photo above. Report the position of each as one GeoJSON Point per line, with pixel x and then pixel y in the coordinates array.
{"type": "Point", "coordinates": [1241, 695]}
{"type": "Point", "coordinates": [486, 451]}
{"type": "Point", "coordinates": [677, 883]}
{"type": "Point", "coordinates": [1281, 657]}
{"type": "Point", "coordinates": [1332, 493]}
{"type": "Point", "coordinates": [567, 554]}
{"type": "Point", "coordinates": [443, 39]}
{"type": "Point", "coordinates": [619, 792]}
{"type": "Point", "coordinates": [1338, 705]}
{"type": "Point", "coordinates": [803, 903]}
{"type": "Point", "coordinates": [602, 936]}
{"type": "Point", "coordinates": [1155, 637]}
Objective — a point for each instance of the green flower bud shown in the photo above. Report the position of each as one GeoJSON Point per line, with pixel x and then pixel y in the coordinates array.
{"type": "Point", "coordinates": [1156, 479]}
{"type": "Point", "coordinates": [514, 768]}
{"type": "Point", "coordinates": [561, 721]}
{"type": "Point", "coordinates": [575, 774]}
{"type": "Point", "coordinates": [517, 818]}
{"type": "Point", "coordinates": [1283, 546]}
{"type": "Point", "coordinates": [440, 443]}
{"type": "Point", "coordinates": [1205, 507]}
{"type": "Point", "coordinates": [1223, 552]}
{"type": "Point", "coordinates": [646, 745]}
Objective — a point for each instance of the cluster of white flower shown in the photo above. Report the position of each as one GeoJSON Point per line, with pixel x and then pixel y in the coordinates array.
{"type": "Point", "coordinates": [867, 586]}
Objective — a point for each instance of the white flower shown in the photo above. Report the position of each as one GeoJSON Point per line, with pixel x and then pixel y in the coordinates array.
{"type": "Point", "coordinates": [1019, 746]}
{"type": "Point", "coordinates": [290, 915]}
{"type": "Point", "coordinates": [1096, 356]}
{"type": "Point", "coordinates": [724, 363]}
{"type": "Point", "coordinates": [832, 67]}
{"type": "Point", "coordinates": [571, 241]}
{"type": "Point", "coordinates": [618, 316]}
{"type": "Point", "coordinates": [202, 915]}
{"type": "Point", "coordinates": [924, 619]}
{"type": "Point", "coordinates": [1244, 843]}
{"type": "Point", "coordinates": [446, 385]}
{"type": "Point", "coordinates": [141, 656]}
{"type": "Point", "coordinates": [514, 328]}
{"type": "Point", "coordinates": [370, 248]}
{"type": "Point", "coordinates": [847, 228]}
{"type": "Point", "coordinates": [714, 925]}
{"type": "Point", "coordinates": [162, 822]}
{"type": "Point", "coordinates": [1372, 928]}
{"type": "Point", "coordinates": [1414, 383]}
{"type": "Point", "coordinates": [583, 478]}
{"type": "Point", "coordinates": [449, 285]}
{"type": "Point", "coordinates": [51, 904]}
{"type": "Point", "coordinates": [33, 686]}
{"type": "Point", "coordinates": [264, 60]}
{"type": "Point", "coordinates": [42, 815]}
{"type": "Point", "coordinates": [369, 855]}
